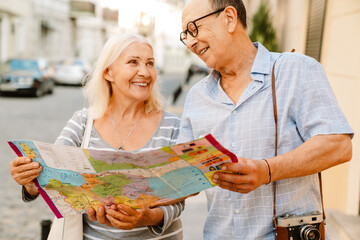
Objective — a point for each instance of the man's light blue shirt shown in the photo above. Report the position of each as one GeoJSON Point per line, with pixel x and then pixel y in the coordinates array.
{"type": "Point", "coordinates": [306, 107]}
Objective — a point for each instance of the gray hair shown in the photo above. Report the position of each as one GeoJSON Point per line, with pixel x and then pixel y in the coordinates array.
{"type": "Point", "coordinates": [98, 91]}
{"type": "Point", "coordinates": [237, 4]}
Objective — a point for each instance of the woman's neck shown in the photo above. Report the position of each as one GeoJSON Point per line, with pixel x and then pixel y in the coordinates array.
{"type": "Point", "coordinates": [126, 110]}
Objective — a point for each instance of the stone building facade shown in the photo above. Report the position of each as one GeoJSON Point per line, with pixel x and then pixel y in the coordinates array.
{"type": "Point", "coordinates": [54, 29]}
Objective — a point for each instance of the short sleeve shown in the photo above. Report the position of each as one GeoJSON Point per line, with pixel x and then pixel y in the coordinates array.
{"type": "Point", "coordinates": [316, 108]}
{"type": "Point", "coordinates": [72, 133]}
{"type": "Point", "coordinates": [169, 128]}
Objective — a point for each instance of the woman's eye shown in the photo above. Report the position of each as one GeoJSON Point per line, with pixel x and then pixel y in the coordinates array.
{"type": "Point", "coordinates": [150, 64]}
{"type": "Point", "coordinates": [132, 61]}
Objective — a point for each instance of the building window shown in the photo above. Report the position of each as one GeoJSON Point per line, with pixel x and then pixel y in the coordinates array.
{"type": "Point", "coordinates": [110, 14]}
{"type": "Point", "coordinates": [316, 19]}
{"type": "Point", "coordinates": [82, 6]}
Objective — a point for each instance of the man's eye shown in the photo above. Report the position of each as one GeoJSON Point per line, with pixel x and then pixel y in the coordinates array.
{"type": "Point", "coordinates": [132, 61]}
{"type": "Point", "coordinates": [150, 64]}
{"type": "Point", "coordinates": [191, 27]}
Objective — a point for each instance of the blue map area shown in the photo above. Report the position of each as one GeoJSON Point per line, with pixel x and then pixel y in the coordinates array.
{"type": "Point", "coordinates": [48, 173]}
{"type": "Point", "coordinates": [184, 181]}
{"type": "Point", "coordinates": [63, 176]}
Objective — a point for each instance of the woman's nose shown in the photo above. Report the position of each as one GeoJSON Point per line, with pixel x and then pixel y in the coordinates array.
{"type": "Point", "coordinates": [143, 70]}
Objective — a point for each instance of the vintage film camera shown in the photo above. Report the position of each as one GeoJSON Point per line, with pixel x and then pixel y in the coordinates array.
{"type": "Point", "coordinates": [300, 227]}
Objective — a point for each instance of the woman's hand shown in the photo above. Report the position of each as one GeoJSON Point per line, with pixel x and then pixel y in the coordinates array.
{"type": "Point", "coordinates": [24, 171]}
{"type": "Point", "coordinates": [128, 218]}
{"type": "Point", "coordinates": [99, 215]}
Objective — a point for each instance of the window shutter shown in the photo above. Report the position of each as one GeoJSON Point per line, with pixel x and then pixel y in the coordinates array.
{"type": "Point", "coordinates": [316, 19]}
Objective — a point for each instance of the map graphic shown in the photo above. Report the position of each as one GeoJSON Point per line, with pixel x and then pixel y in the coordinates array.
{"type": "Point", "coordinates": [74, 179]}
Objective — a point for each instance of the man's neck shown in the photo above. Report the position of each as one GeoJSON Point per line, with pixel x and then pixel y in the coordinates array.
{"type": "Point", "coordinates": [236, 77]}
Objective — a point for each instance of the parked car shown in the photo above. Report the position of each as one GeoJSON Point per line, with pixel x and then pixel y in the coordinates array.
{"type": "Point", "coordinates": [71, 72]}
{"type": "Point", "coordinates": [30, 76]}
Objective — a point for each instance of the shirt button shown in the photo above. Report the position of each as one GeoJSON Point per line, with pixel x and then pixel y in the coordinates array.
{"type": "Point", "coordinates": [233, 144]}
{"type": "Point", "coordinates": [237, 211]}
{"type": "Point", "coordinates": [234, 112]}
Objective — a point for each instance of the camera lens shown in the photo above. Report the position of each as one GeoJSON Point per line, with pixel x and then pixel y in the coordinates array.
{"type": "Point", "coordinates": [309, 232]}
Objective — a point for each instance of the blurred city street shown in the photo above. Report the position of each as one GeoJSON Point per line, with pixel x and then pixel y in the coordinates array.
{"type": "Point", "coordinates": [37, 119]}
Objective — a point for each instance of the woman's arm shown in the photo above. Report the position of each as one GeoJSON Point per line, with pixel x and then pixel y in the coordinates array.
{"type": "Point", "coordinates": [171, 213]}
{"type": "Point", "coordinates": [157, 219]}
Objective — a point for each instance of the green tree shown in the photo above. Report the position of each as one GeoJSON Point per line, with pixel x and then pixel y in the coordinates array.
{"type": "Point", "coordinates": [262, 29]}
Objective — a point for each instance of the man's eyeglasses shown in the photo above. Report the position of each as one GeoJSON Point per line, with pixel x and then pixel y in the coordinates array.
{"type": "Point", "coordinates": [192, 29]}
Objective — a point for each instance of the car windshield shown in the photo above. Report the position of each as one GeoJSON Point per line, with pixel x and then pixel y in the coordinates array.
{"type": "Point", "coordinates": [23, 65]}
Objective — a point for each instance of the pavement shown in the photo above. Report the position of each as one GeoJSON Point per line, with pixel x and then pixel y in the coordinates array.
{"type": "Point", "coordinates": [342, 226]}
{"type": "Point", "coordinates": [29, 118]}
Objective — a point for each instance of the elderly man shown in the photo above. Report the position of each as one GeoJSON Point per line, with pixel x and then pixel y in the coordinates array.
{"type": "Point", "coordinates": [234, 103]}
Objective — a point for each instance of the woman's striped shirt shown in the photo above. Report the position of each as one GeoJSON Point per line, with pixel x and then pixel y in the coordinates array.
{"type": "Point", "coordinates": [165, 135]}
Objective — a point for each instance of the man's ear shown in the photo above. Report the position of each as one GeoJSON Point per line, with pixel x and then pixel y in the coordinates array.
{"type": "Point", "coordinates": [108, 75]}
{"type": "Point", "coordinates": [231, 18]}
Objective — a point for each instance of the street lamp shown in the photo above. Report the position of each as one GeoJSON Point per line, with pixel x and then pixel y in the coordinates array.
{"type": "Point", "coordinates": [146, 24]}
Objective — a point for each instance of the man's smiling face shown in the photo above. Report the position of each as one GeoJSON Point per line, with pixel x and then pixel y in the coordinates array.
{"type": "Point", "coordinates": [207, 44]}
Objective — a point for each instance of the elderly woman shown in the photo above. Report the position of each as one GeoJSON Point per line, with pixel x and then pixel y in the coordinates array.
{"type": "Point", "coordinates": [125, 112]}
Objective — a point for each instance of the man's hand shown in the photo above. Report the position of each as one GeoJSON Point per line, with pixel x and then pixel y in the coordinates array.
{"type": "Point", "coordinates": [243, 176]}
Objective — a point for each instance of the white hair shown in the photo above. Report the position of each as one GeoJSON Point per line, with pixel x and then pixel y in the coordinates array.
{"type": "Point", "coordinates": [98, 91]}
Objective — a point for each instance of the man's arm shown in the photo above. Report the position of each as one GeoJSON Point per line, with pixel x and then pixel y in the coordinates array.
{"type": "Point", "coordinates": [315, 155]}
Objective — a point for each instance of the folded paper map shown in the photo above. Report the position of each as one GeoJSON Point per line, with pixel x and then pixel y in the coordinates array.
{"type": "Point", "coordinates": [74, 179]}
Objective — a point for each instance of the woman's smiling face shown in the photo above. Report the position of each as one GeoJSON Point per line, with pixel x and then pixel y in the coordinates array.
{"type": "Point", "coordinates": [133, 73]}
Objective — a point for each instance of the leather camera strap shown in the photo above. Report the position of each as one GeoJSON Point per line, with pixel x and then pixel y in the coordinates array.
{"type": "Point", "coordinates": [273, 91]}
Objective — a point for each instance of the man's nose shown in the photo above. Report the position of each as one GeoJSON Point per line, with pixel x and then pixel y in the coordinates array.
{"type": "Point", "coordinates": [190, 41]}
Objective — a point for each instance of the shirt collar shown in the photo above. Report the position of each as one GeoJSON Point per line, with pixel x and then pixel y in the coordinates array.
{"type": "Point", "coordinates": [260, 70]}
{"type": "Point", "coordinates": [262, 63]}
{"type": "Point", "coordinates": [213, 82]}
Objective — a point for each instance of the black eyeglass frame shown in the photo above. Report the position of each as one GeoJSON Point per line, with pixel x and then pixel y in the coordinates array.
{"type": "Point", "coordinates": [183, 34]}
